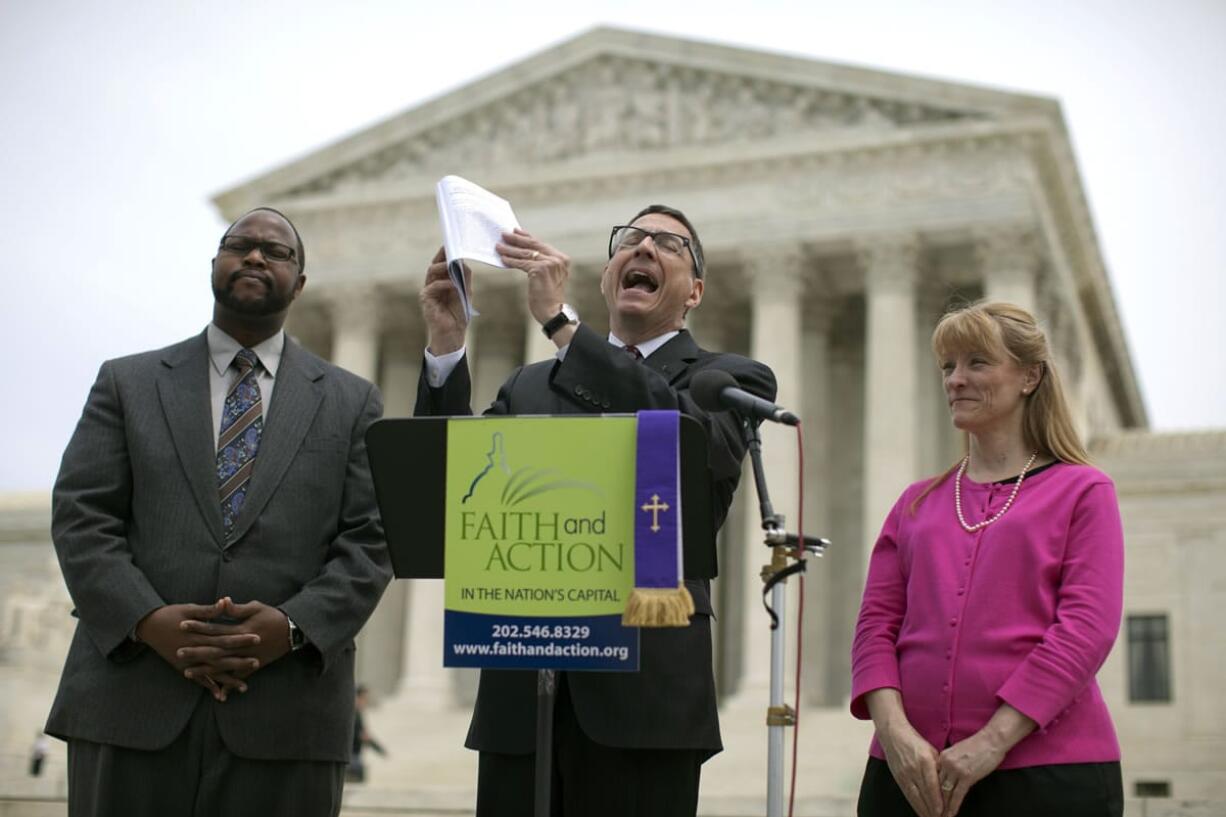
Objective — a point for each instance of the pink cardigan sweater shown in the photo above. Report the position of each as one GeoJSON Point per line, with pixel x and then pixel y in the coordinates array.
{"type": "Point", "coordinates": [1023, 611]}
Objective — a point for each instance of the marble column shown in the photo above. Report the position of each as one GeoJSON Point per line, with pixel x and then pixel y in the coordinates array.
{"type": "Point", "coordinates": [355, 331]}
{"type": "Point", "coordinates": [355, 346]}
{"type": "Point", "coordinates": [382, 657]}
{"type": "Point", "coordinates": [774, 275]}
{"type": "Point", "coordinates": [819, 657]}
{"type": "Point", "coordinates": [423, 680]}
{"type": "Point", "coordinates": [401, 368]}
{"type": "Point", "coordinates": [890, 265]}
{"type": "Point", "coordinates": [1009, 259]}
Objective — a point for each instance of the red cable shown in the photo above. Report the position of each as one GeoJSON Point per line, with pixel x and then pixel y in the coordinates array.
{"type": "Point", "coordinates": [799, 555]}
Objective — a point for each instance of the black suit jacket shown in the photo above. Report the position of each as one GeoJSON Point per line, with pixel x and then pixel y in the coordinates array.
{"type": "Point", "coordinates": [136, 521]}
{"type": "Point", "coordinates": [670, 703]}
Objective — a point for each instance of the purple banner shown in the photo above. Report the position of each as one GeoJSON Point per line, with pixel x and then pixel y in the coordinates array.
{"type": "Point", "coordinates": [657, 501]}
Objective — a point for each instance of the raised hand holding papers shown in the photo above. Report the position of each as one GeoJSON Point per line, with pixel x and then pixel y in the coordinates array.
{"type": "Point", "coordinates": [473, 221]}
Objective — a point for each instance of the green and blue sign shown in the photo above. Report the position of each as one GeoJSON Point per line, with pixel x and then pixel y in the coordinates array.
{"type": "Point", "coordinates": [539, 557]}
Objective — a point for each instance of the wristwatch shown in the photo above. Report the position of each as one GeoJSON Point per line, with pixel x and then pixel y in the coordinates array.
{"type": "Point", "coordinates": [296, 639]}
{"type": "Point", "coordinates": [567, 315]}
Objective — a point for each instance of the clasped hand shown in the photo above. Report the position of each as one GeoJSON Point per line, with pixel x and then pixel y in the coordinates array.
{"type": "Point", "coordinates": [964, 764]}
{"type": "Point", "coordinates": [935, 783]}
{"type": "Point", "coordinates": [219, 656]}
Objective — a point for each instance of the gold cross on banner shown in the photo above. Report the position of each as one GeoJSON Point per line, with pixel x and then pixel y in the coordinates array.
{"type": "Point", "coordinates": [654, 509]}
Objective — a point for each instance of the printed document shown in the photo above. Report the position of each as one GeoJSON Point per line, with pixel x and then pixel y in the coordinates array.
{"type": "Point", "coordinates": [473, 221]}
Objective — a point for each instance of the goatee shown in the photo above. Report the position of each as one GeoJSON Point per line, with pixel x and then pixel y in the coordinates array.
{"type": "Point", "coordinates": [270, 304]}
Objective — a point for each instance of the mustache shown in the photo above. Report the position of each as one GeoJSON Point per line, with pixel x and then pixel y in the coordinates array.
{"type": "Point", "coordinates": [253, 272]}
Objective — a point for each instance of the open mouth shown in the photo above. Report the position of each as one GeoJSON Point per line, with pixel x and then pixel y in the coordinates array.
{"type": "Point", "coordinates": [637, 279]}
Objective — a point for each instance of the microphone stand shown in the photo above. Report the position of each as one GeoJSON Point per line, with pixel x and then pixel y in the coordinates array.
{"type": "Point", "coordinates": [783, 547]}
{"type": "Point", "coordinates": [546, 699]}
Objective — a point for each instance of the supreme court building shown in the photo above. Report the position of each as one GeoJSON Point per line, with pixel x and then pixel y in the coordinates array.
{"type": "Point", "coordinates": [842, 211]}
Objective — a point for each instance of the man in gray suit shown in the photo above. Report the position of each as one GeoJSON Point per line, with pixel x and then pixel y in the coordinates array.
{"type": "Point", "coordinates": [216, 525]}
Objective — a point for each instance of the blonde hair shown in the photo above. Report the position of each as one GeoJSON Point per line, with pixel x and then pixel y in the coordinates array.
{"type": "Point", "coordinates": [1004, 330]}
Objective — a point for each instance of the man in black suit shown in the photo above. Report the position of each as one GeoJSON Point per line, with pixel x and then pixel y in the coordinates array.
{"type": "Point", "coordinates": [625, 743]}
{"type": "Point", "coordinates": [216, 525]}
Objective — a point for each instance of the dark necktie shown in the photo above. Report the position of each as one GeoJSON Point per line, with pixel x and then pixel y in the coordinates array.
{"type": "Point", "coordinates": [242, 422]}
{"type": "Point", "coordinates": [633, 351]}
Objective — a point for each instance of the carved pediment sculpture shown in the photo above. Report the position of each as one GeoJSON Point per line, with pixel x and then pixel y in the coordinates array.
{"type": "Point", "coordinates": [615, 105]}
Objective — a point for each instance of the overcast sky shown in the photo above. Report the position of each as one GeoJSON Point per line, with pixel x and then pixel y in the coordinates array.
{"type": "Point", "coordinates": [119, 120]}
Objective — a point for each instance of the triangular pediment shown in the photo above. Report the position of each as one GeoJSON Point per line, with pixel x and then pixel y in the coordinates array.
{"type": "Point", "coordinates": [621, 105]}
{"type": "Point", "coordinates": [611, 93]}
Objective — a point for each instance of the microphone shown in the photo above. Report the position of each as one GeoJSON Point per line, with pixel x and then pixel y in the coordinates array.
{"type": "Point", "coordinates": [716, 390]}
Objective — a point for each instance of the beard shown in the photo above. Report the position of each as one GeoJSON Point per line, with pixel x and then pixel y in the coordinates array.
{"type": "Point", "coordinates": [271, 303]}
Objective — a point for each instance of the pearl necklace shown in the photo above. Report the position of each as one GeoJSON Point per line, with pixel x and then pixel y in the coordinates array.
{"type": "Point", "coordinates": [1017, 486]}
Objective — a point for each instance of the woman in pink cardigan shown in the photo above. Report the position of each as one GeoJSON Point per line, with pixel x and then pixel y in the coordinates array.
{"type": "Point", "coordinates": [993, 596]}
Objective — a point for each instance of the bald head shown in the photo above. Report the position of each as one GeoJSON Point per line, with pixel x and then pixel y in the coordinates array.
{"type": "Point", "coordinates": [299, 248]}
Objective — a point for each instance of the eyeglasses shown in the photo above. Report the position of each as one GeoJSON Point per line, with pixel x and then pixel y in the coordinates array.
{"type": "Point", "coordinates": [625, 237]}
{"type": "Point", "coordinates": [272, 250]}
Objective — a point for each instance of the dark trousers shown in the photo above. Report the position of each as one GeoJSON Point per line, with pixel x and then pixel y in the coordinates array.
{"type": "Point", "coordinates": [1066, 790]}
{"type": "Point", "coordinates": [196, 776]}
{"type": "Point", "coordinates": [591, 780]}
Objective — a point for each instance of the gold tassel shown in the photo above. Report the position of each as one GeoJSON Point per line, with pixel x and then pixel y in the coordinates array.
{"type": "Point", "coordinates": [658, 607]}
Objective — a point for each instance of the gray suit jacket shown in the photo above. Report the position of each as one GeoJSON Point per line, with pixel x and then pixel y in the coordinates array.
{"type": "Point", "coordinates": [136, 522]}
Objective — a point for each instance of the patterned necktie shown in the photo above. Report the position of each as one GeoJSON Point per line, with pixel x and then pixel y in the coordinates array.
{"type": "Point", "coordinates": [633, 351]}
{"type": "Point", "coordinates": [242, 422]}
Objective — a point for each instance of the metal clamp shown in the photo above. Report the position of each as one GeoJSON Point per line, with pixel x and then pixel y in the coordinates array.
{"type": "Point", "coordinates": [782, 715]}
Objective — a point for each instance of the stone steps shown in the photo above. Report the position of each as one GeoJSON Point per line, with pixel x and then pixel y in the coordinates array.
{"type": "Point", "coordinates": [428, 773]}
{"type": "Point", "coordinates": [832, 754]}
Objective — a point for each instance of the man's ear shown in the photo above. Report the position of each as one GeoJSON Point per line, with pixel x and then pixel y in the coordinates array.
{"type": "Point", "coordinates": [695, 294]}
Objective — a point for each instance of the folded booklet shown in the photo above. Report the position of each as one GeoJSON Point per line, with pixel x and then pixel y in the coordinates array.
{"type": "Point", "coordinates": [473, 221]}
